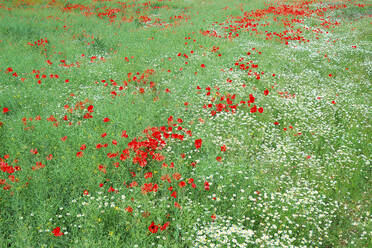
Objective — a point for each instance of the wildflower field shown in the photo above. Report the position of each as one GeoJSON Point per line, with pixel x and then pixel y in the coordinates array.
{"type": "Point", "coordinates": [185, 123]}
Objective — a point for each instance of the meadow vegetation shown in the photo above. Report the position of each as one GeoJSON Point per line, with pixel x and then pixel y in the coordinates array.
{"type": "Point", "coordinates": [185, 123]}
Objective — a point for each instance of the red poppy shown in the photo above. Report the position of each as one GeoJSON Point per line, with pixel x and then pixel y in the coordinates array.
{"type": "Point", "coordinates": [124, 134]}
{"type": "Point", "coordinates": [57, 231]}
{"type": "Point", "coordinates": [260, 110]}
{"type": "Point", "coordinates": [251, 98]}
{"type": "Point", "coordinates": [254, 109]}
{"type": "Point", "coordinates": [5, 110]}
{"type": "Point", "coordinates": [90, 108]}
{"type": "Point", "coordinates": [165, 226]}
{"type": "Point", "coordinates": [266, 92]}
{"type": "Point", "coordinates": [64, 138]}
{"type": "Point", "coordinates": [223, 148]}
{"type": "Point", "coordinates": [202, 65]}
{"type": "Point", "coordinates": [148, 175]}
{"type": "Point", "coordinates": [174, 194]}
{"type": "Point", "coordinates": [198, 143]}
{"type": "Point", "coordinates": [213, 217]}
{"type": "Point", "coordinates": [182, 184]}
{"type": "Point", "coordinates": [206, 186]}
{"type": "Point", "coordinates": [153, 228]}
{"type": "Point", "coordinates": [106, 119]}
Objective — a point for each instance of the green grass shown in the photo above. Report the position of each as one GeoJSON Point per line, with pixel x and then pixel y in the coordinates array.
{"type": "Point", "coordinates": [304, 182]}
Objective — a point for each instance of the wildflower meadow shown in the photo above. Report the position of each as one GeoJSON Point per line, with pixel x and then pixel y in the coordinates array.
{"type": "Point", "coordinates": [185, 123]}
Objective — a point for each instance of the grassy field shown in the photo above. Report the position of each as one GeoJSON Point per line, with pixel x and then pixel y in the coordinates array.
{"type": "Point", "coordinates": [185, 123]}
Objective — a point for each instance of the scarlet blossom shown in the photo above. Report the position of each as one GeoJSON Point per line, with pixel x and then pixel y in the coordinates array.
{"type": "Point", "coordinates": [79, 154]}
{"type": "Point", "coordinates": [206, 186]}
{"type": "Point", "coordinates": [276, 123]}
{"type": "Point", "coordinates": [83, 147]}
{"type": "Point", "coordinates": [148, 175]}
{"type": "Point", "coordinates": [260, 110]}
{"type": "Point", "coordinates": [177, 205]}
{"type": "Point", "coordinates": [251, 98]}
{"type": "Point", "coordinates": [153, 228]}
{"type": "Point", "coordinates": [106, 119]}
{"type": "Point", "coordinates": [90, 108]}
{"type": "Point", "coordinates": [129, 209]}
{"type": "Point", "coordinates": [213, 217]}
{"type": "Point", "coordinates": [198, 143]}
{"type": "Point", "coordinates": [174, 194]}
{"type": "Point", "coordinates": [176, 176]}
{"type": "Point", "coordinates": [57, 232]}
{"type": "Point", "coordinates": [182, 184]}
{"type": "Point", "coordinates": [266, 92]}
{"type": "Point", "coordinates": [5, 110]}
{"type": "Point", "coordinates": [254, 109]}
{"type": "Point", "coordinates": [64, 138]}
{"type": "Point", "coordinates": [124, 134]}
{"type": "Point", "coordinates": [85, 192]}
{"type": "Point", "coordinates": [219, 159]}
{"type": "Point", "coordinates": [223, 148]}
{"type": "Point", "coordinates": [202, 65]}
{"type": "Point", "coordinates": [102, 168]}
{"type": "Point", "coordinates": [165, 226]}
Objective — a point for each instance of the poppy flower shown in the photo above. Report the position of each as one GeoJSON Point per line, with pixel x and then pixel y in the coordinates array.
{"type": "Point", "coordinates": [266, 92]}
{"type": "Point", "coordinates": [174, 194]}
{"type": "Point", "coordinates": [153, 228]}
{"type": "Point", "coordinates": [182, 184]}
{"type": "Point", "coordinates": [198, 143]}
{"type": "Point", "coordinates": [165, 226]}
{"type": "Point", "coordinates": [251, 98]}
{"type": "Point", "coordinates": [148, 175]}
{"type": "Point", "coordinates": [124, 134]}
{"type": "Point", "coordinates": [5, 110]}
{"type": "Point", "coordinates": [90, 108]}
{"type": "Point", "coordinates": [223, 148]}
{"type": "Point", "coordinates": [254, 109]}
{"type": "Point", "coordinates": [260, 110]}
{"type": "Point", "coordinates": [106, 119]}
{"type": "Point", "coordinates": [57, 232]}
{"type": "Point", "coordinates": [202, 65]}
